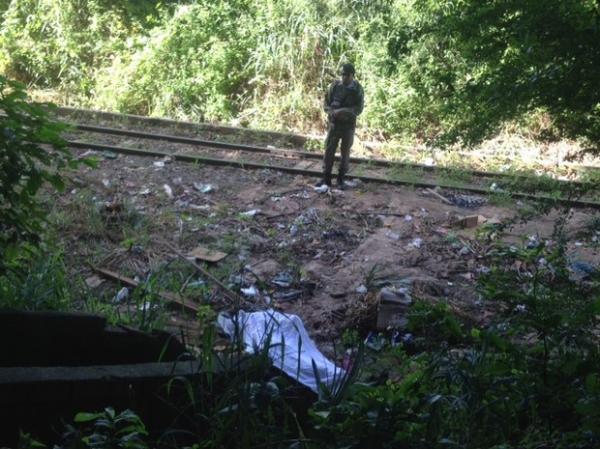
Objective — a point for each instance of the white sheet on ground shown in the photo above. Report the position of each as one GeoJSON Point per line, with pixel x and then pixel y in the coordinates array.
{"type": "Point", "coordinates": [291, 349]}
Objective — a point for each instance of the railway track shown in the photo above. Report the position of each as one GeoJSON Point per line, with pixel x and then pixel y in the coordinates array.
{"type": "Point", "coordinates": [212, 152]}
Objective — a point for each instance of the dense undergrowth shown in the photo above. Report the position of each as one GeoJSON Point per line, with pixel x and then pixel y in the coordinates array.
{"type": "Point", "coordinates": [527, 380]}
{"type": "Point", "coordinates": [266, 64]}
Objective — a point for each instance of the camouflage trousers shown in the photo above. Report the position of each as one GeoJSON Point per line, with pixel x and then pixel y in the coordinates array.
{"type": "Point", "coordinates": [334, 136]}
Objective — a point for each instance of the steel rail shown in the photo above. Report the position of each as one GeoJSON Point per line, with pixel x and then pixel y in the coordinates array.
{"type": "Point", "coordinates": [298, 154]}
{"type": "Point", "coordinates": [305, 172]}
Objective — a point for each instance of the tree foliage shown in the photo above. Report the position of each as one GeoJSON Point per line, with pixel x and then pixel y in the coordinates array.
{"type": "Point", "coordinates": [437, 70]}
{"type": "Point", "coordinates": [31, 153]}
{"type": "Point", "coordinates": [483, 63]}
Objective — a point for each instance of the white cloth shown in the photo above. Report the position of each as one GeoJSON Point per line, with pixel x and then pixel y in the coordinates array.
{"type": "Point", "coordinates": [291, 349]}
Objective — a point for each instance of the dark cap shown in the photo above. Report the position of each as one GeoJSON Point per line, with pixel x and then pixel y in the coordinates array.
{"type": "Point", "coordinates": [348, 68]}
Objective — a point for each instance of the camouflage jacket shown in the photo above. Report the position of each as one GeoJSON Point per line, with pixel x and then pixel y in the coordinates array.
{"type": "Point", "coordinates": [351, 99]}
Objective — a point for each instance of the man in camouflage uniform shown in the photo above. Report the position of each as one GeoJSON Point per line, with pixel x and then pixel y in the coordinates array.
{"type": "Point", "coordinates": [343, 103]}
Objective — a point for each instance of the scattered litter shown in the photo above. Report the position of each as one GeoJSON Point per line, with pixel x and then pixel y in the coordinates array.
{"type": "Point", "coordinates": [198, 283]}
{"type": "Point", "coordinates": [532, 242]}
{"type": "Point", "coordinates": [147, 306]}
{"type": "Point", "coordinates": [109, 155]}
{"type": "Point", "coordinates": [392, 235]}
{"type": "Point", "coordinates": [416, 243]}
{"type": "Point", "coordinates": [204, 188]}
{"type": "Point", "coordinates": [495, 187]}
{"type": "Point", "coordinates": [288, 295]}
{"type": "Point", "coordinates": [352, 183]}
{"type": "Point", "coordinates": [200, 207]}
{"type": "Point", "coordinates": [578, 244]}
{"type": "Point", "coordinates": [86, 154]}
{"type": "Point", "coordinates": [374, 341]}
{"type": "Point", "coordinates": [467, 201]}
{"type": "Point", "coordinates": [322, 189]}
{"type": "Point", "coordinates": [392, 309]}
{"type": "Point", "coordinates": [464, 251]}
{"type": "Point", "coordinates": [251, 291]}
{"type": "Point", "coordinates": [582, 268]}
{"type": "Point", "coordinates": [206, 254]}
{"type": "Point", "coordinates": [361, 289]}
{"type": "Point", "coordinates": [290, 347]}
{"type": "Point", "coordinates": [304, 195]}
{"type": "Point", "coordinates": [250, 213]}
{"type": "Point", "coordinates": [399, 296]}
{"type": "Point", "coordinates": [438, 195]}
{"type": "Point", "coordinates": [470, 221]}
{"type": "Point", "coordinates": [121, 295]}
{"type": "Point", "coordinates": [283, 280]}
{"type": "Point", "coordinates": [408, 218]}
{"type": "Point", "coordinates": [145, 192]}
{"type": "Point", "coordinates": [168, 190]}
{"type": "Point", "coordinates": [93, 281]}
{"type": "Point", "coordinates": [293, 230]}
{"type": "Point", "coordinates": [106, 183]}
{"type": "Point", "coordinates": [159, 164]}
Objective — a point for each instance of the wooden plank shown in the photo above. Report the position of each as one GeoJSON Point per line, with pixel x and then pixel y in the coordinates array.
{"type": "Point", "coordinates": [68, 374]}
{"type": "Point", "coordinates": [439, 196]}
{"type": "Point", "coordinates": [167, 296]}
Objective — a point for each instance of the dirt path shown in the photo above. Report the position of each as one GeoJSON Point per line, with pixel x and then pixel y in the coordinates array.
{"type": "Point", "coordinates": [331, 245]}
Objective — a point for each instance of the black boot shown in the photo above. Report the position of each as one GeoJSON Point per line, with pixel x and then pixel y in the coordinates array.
{"type": "Point", "coordinates": [340, 183]}
{"type": "Point", "coordinates": [326, 181]}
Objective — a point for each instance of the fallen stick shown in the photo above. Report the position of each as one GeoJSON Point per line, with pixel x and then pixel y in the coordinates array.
{"type": "Point", "coordinates": [167, 296]}
{"type": "Point", "coordinates": [228, 292]}
{"type": "Point", "coordinates": [439, 196]}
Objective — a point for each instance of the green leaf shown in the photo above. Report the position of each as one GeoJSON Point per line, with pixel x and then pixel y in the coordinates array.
{"type": "Point", "coordinates": [86, 417]}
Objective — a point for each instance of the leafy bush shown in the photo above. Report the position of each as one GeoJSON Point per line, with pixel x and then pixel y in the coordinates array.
{"type": "Point", "coordinates": [25, 164]}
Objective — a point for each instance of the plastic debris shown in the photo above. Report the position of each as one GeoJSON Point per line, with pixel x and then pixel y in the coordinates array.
{"type": "Point", "coordinates": [145, 192]}
{"type": "Point", "coordinates": [195, 284]}
{"type": "Point", "coordinates": [290, 347]}
{"type": "Point", "coordinates": [250, 213]}
{"type": "Point", "coordinates": [168, 190]}
{"type": "Point", "coordinates": [159, 164]}
{"type": "Point", "coordinates": [392, 235]}
{"type": "Point", "coordinates": [322, 189]}
{"type": "Point", "coordinates": [251, 291]}
{"type": "Point", "coordinates": [582, 268]}
{"type": "Point", "coordinates": [467, 201]}
{"type": "Point", "coordinates": [109, 155]}
{"type": "Point", "coordinates": [288, 295]}
{"type": "Point", "coordinates": [93, 281]}
{"type": "Point", "coordinates": [408, 218]}
{"type": "Point", "coordinates": [361, 289]}
{"type": "Point", "coordinates": [416, 243]}
{"type": "Point", "coordinates": [283, 280]}
{"type": "Point", "coordinates": [374, 341]}
{"type": "Point", "coordinates": [106, 183]}
{"type": "Point", "coordinates": [293, 230]}
{"type": "Point", "coordinates": [121, 295]}
{"type": "Point", "coordinates": [204, 188]}
{"type": "Point", "coordinates": [399, 296]}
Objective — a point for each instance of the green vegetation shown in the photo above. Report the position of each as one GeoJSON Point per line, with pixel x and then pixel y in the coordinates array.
{"type": "Point", "coordinates": [435, 71]}
{"type": "Point", "coordinates": [527, 380]}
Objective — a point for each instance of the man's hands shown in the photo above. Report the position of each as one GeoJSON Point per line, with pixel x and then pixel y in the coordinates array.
{"type": "Point", "coordinates": [341, 113]}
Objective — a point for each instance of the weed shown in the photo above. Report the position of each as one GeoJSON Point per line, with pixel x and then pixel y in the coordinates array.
{"type": "Point", "coordinates": [501, 199]}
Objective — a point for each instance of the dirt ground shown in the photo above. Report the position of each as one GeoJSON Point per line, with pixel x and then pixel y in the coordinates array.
{"type": "Point", "coordinates": [333, 248]}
